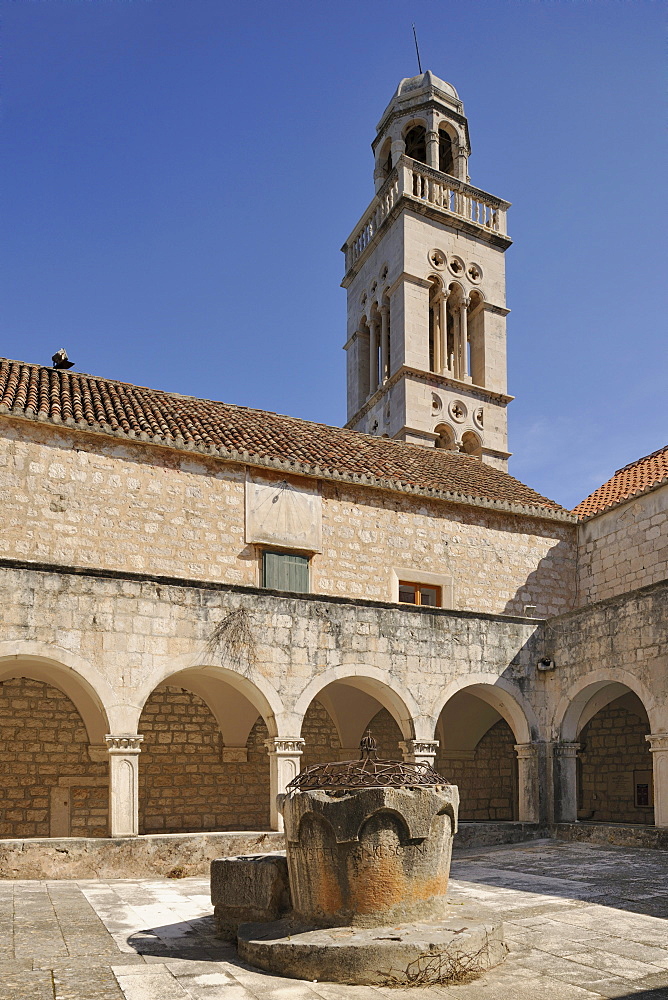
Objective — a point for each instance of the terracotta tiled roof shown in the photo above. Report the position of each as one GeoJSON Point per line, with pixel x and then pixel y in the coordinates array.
{"type": "Point", "coordinates": [634, 478]}
{"type": "Point", "coordinates": [255, 437]}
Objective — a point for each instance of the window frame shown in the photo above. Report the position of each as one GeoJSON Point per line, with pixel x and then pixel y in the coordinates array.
{"type": "Point", "coordinates": [417, 590]}
{"type": "Point", "coordinates": [305, 559]}
{"type": "Point", "coordinates": [413, 576]}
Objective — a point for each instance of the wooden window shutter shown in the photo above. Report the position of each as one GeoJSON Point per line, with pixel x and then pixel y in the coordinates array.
{"type": "Point", "coordinates": [285, 571]}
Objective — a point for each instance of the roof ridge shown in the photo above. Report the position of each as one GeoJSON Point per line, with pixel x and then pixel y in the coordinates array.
{"type": "Point", "coordinates": [260, 438]}
{"type": "Point", "coordinates": [644, 458]}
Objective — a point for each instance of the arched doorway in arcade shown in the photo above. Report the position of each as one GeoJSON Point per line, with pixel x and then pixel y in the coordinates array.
{"type": "Point", "coordinates": [203, 764]}
{"type": "Point", "coordinates": [338, 717]}
{"type": "Point", "coordinates": [54, 773]}
{"type": "Point", "coordinates": [477, 753]}
{"type": "Point", "coordinates": [614, 762]}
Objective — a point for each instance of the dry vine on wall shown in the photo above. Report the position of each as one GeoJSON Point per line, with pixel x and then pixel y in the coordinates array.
{"type": "Point", "coordinates": [233, 642]}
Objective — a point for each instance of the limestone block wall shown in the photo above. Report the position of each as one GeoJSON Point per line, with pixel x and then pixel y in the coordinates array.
{"type": "Point", "coordinates": [613, 749]}
{"type": "Point", "coordinates": [487, 780]}
{"type": "Point", "coordinates": [88, 501]}
{"type": "Point", "coordinates": [44, 749]}
{"type": "Point", "coordinates": [184, 783]}
{"type": "Point", "coordinates": [496, 564]}
{"type": "Point", "coordinates": [113, 641]}
{"type": "Point", "coordinates": [624, 548]}
{"type": "Point", "coordinates": [619, 640]}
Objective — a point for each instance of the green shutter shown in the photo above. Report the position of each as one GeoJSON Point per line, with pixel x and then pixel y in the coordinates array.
{"type": "Point", "coordinates": [285, 571]}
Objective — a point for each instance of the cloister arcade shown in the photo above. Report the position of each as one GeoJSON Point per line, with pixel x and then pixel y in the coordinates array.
{"type": "Point", "coordinates": [210, 749]}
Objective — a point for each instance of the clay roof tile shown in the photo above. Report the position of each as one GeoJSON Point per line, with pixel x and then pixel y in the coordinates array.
{"type": "Point", "coordinates": [86, 400]}
{"type": "Point", "coordinates": [633, 479]}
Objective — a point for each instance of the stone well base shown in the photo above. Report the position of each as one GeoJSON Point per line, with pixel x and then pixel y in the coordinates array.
{"type": "Point", "coordinates": [376, 955]}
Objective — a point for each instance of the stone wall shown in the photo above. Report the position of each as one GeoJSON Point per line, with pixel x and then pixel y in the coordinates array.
{"type": "Point", "coordinates": [488, 780]}
{"type": "Point", "coordinates": [496, 563]}
{"type": "Point", "coordinates": [613, 748]}
{"type": "Point", "coordinates": [44, 747]}
{"type": "Point", "coordinates": [184, 784]}
{"type": "Point", "coordinates": [111, 641]}
{"type": "Point", "coordinates": [624, 548]}
{"type": "Point", "coordinates": [323, 744]}
{"type": "Point", "coordinates": [85, 500]}
{"type": "Point", "coordinates": [619, 640]}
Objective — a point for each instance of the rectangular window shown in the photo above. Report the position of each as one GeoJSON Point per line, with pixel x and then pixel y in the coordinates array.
{"type": "Point", "coordinates": [285, 571]}
{"type": "Point", "coordinates": [419, 593]}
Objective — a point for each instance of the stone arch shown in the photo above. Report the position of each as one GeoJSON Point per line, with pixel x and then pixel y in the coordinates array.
{"type": "Point", "coordinates": [448, 144]}
{"type": "Point", "coordinates": [90, 693]}
{"type": "Point", "coordinates": [384, 161]}
{"type": "Point", "coordinates": [447, 438]}
{"type": "Point", "coordinates": [607, 773]}
{"type": "Point", "coordinates": [215, 684]}
{"type": "Point", "coordinates": [504, 697]}
{"type": "Point", "coordinates": [54, 777]}
{"type": "Point", "coordinates": [204, 764]}
{"type": "Point", "coordinates": [596, 690]}
{"type": "Point", "coordinates": [471, 444]}
{"type": "Point", "coordinates": [415, 139]}
{"type": "Point", "coordinates": [480, 722]}
{"type": "Point", "coordinates": [372, 683]}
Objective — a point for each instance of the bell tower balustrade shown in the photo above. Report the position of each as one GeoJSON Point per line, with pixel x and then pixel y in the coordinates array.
{"type": "Point", "coordinates": [417, 182]}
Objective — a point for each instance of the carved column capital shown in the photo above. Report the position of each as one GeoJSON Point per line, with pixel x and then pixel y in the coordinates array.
{"type": "Point", "coordinates": [526, 751]}
{"type": "Point", "coordinates": [657, 741]}
{"type": "Point", "coordinates": [285, 747]}
{"type": "Point", "coordinates": [125, 744]}
{"type": "Point", "coordinates": [566, 749]}
{"type": "Point", "coordinates": [419, 751]}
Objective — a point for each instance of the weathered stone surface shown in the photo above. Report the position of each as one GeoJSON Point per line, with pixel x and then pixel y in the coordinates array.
{"type": "Point", "coordinates": [179, 854]}
{"type": "Point", "coordinates": [370, 856]}
{"type": "Point", "coordinates": [488, 834]}
{"type": "Point", "coordinates": [619, 834]}
{"type": "Point", "coordinates": [373, 955]}
{"type": "Point", "coordinates": [248, 888]}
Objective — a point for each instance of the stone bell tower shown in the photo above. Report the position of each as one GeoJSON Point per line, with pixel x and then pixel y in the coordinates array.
{"type": "Point", "coordinates": [425, 278]}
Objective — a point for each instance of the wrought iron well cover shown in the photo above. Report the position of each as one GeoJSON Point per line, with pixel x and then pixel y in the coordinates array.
{"type": "Point", "coordinates": [367, 772]}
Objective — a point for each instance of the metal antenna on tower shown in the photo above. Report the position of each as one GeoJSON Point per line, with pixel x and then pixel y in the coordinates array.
{"type": "Point", "coordinates": [417, 50]}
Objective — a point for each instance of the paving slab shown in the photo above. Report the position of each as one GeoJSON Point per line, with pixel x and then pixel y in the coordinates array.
{"type": "Point", "coordinates": [583, 921]}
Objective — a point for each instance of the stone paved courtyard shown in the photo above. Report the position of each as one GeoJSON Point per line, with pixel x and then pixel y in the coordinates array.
{"type": "Point", "coordinates": [582, 922]}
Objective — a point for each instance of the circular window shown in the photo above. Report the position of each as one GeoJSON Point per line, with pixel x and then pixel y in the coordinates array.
{"type": "Point", "coordinates": [456, 265]}
{"type": "Point", "coordinates": [474, 273]}
{"type": "Point", "coordinates": [457, 411]}
{"type": "Point", "coordinates": [437, 259]}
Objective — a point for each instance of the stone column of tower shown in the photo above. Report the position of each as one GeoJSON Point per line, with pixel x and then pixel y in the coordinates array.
{"type": "Point", "coordinates": [425, 279]}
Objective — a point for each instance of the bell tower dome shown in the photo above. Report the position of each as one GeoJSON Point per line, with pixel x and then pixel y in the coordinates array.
{"type": "Point", "coordinates": [425, 277]}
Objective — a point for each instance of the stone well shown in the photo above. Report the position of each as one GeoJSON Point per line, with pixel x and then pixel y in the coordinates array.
{"type": "Point", "coordinates": [369, 846]}
{"type": "Point", "coordinates": [370, 856]}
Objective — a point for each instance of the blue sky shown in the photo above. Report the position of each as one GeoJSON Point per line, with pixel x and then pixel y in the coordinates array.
{"type": "Point", "coordinates": [179, 175]}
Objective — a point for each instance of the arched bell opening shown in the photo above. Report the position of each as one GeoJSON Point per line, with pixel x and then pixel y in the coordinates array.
{"type": "Point", "coordinates": [446, 151]}
{"type": "Point", "coordinates": [416, 143]}
{"type": "Point", "coordinates": [385, 160]}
